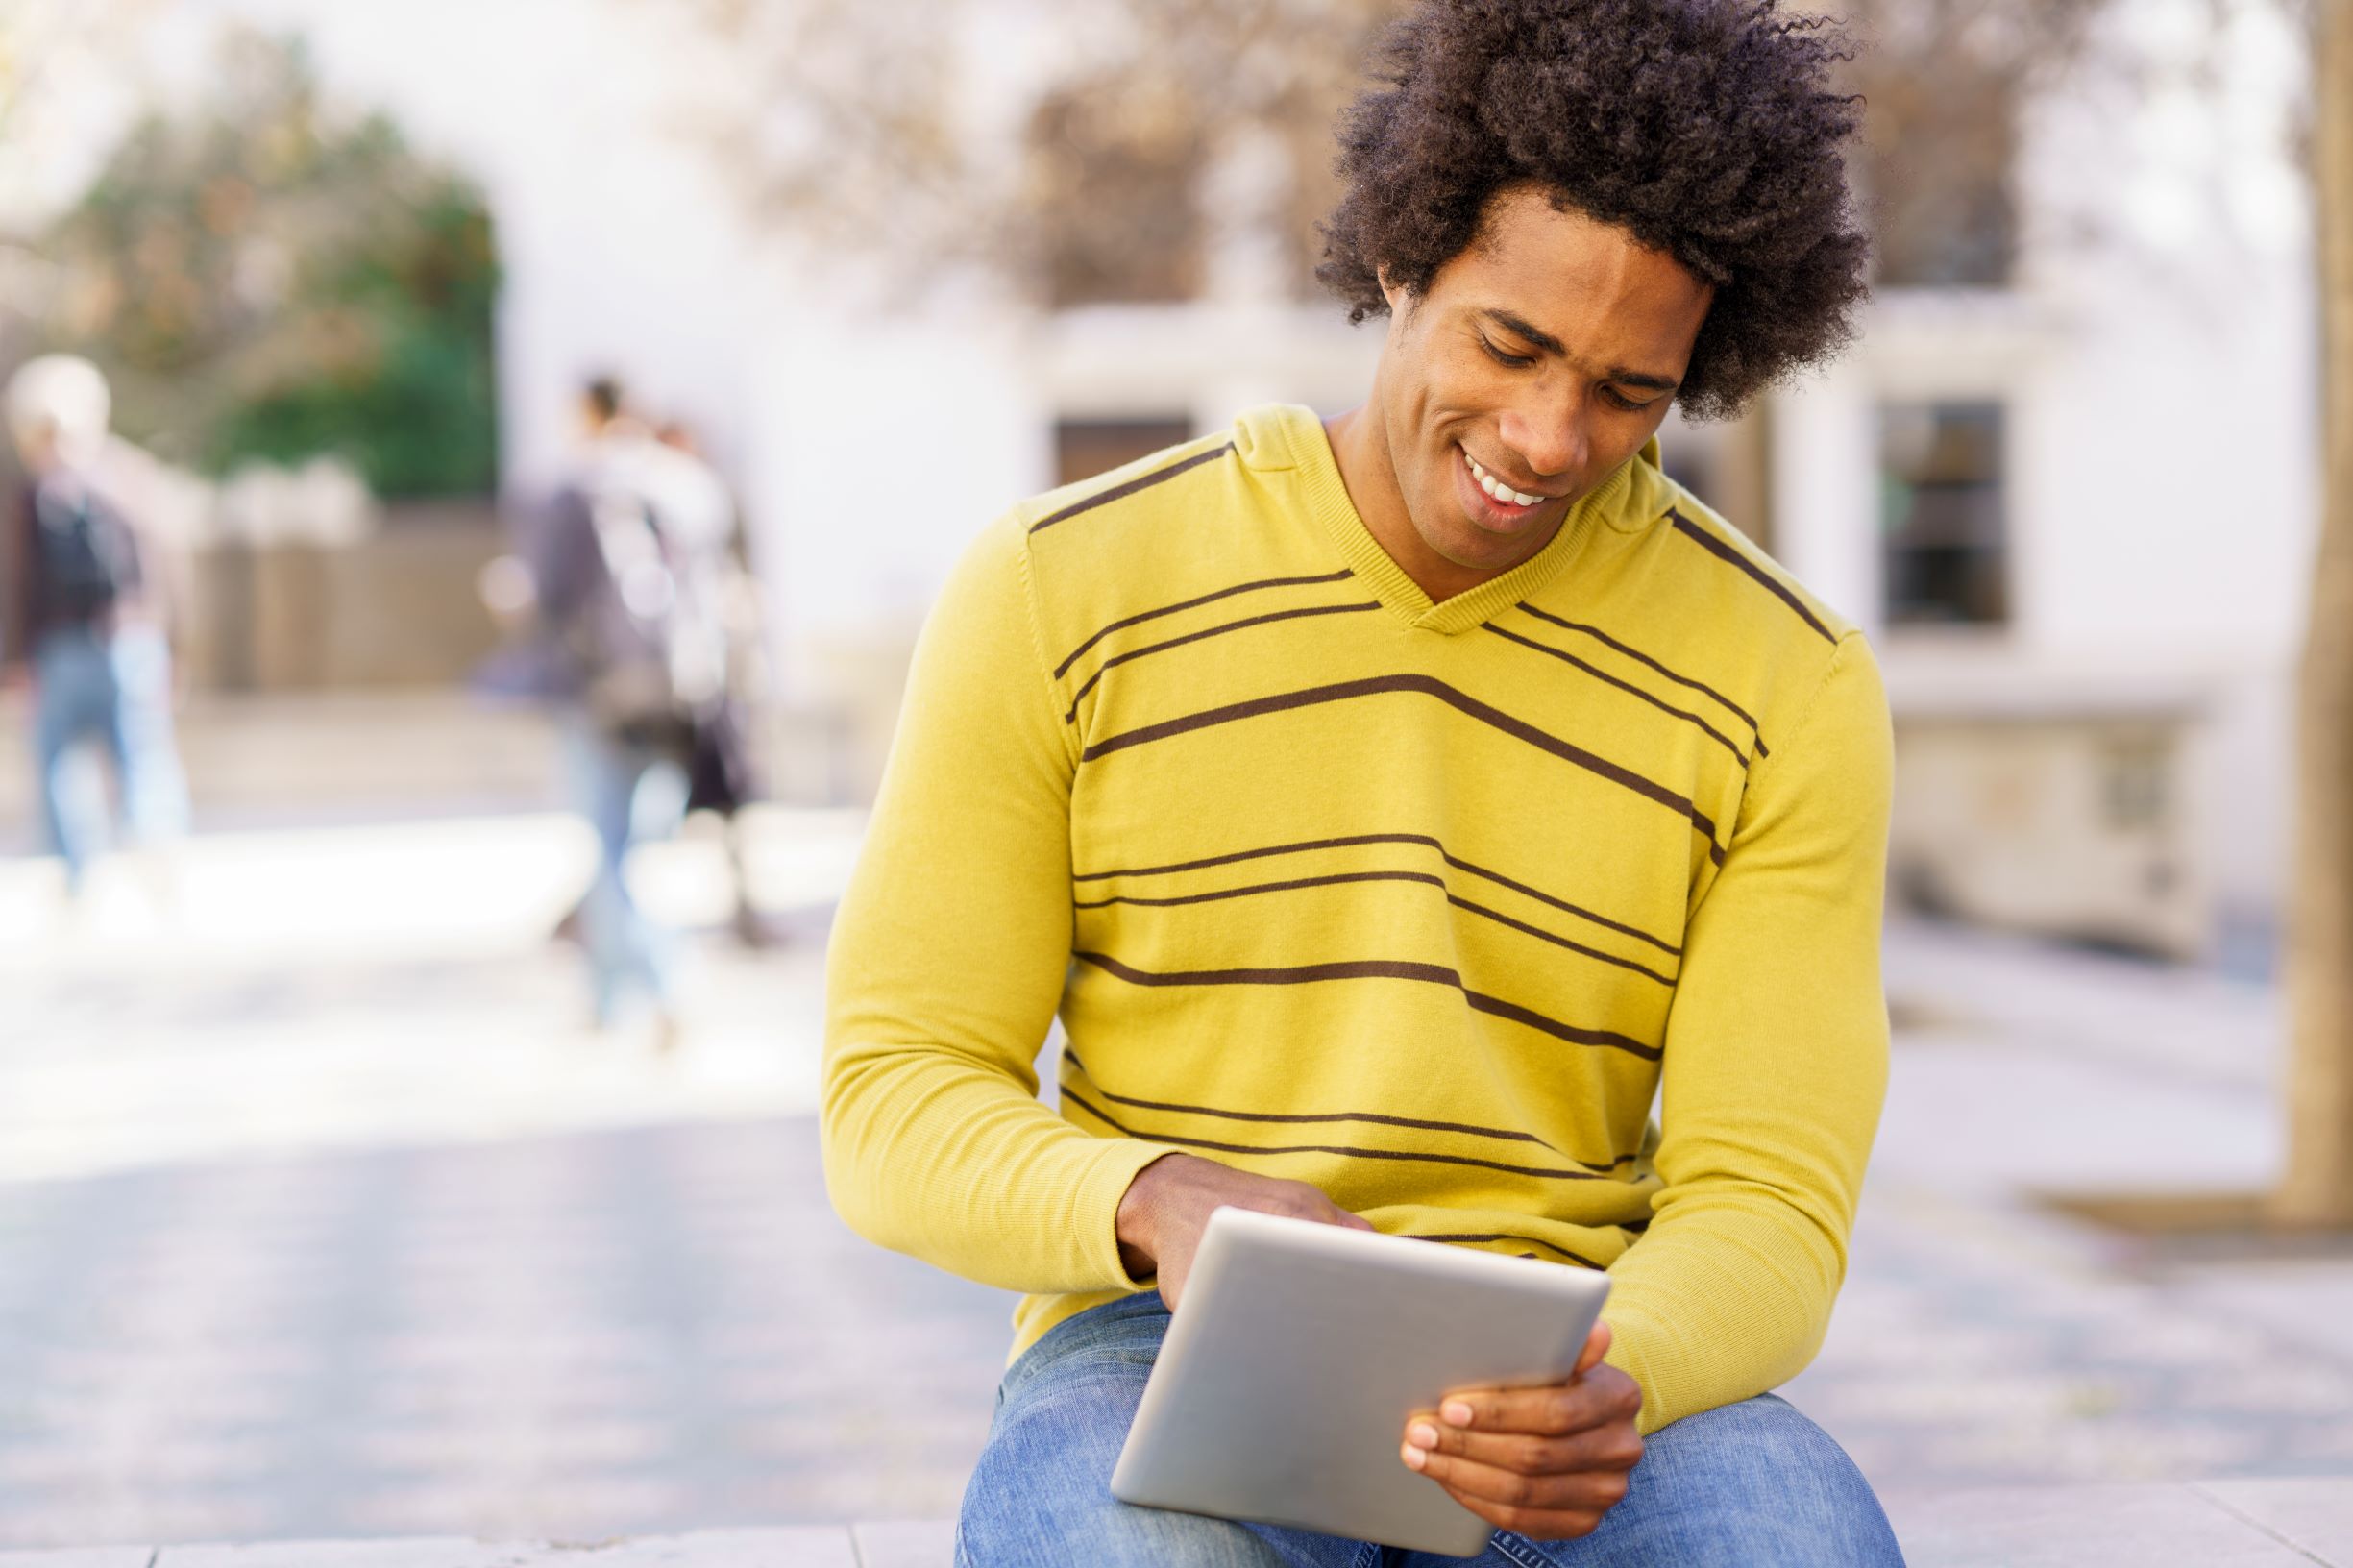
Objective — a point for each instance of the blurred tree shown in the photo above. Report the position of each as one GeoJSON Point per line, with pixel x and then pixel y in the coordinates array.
{"type": "Point", "coordinates": [54, 55]}
{"type": "Point", "coordinates": [2317, 1187]}
{"type": "Point", "coordinates": [263, 283]}
{"type": "Point", "coordinates": [1946, 84]}
{"type": "Point", "coordinates": [858, 125]}
{"type": "Point", "coordinates": [867, 128]}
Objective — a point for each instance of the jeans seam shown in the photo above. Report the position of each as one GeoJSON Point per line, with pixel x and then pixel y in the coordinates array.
{"type": "Point", "coordinates": [1521, 1552]}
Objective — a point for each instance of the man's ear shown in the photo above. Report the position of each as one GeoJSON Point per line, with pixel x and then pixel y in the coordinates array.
{"type": "Point", "coordinates": [1400, 298]}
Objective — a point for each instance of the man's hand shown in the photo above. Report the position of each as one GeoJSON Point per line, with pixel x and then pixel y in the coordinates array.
{"type": "Point", "coordinates": [1544, 1462]}
{"type": "Point", "coordinates": [1170, 1203]}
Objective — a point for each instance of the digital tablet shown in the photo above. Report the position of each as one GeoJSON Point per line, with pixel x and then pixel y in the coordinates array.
{"type": "Point", "coordinates": [1282, 1392]}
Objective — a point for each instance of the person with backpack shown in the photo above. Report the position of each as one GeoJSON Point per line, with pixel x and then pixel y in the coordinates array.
{"type": "Point", "coordinates": [90, 607]}
{"type": "Point", "coordinates": [627, 565]}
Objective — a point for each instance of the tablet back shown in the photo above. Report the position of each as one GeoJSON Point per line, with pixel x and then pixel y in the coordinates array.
{"type": "Point", "coordinates": [1281, 1390]}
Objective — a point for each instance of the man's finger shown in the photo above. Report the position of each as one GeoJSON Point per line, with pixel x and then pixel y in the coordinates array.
{"type": "Point", "coordinates": [1597, 1346]}
{"type": "Point", "coordinates": [1591, 1491]}
{"type": "Point", "coordinates": [1535, 1524]}
{"type": "Point", "coordinates": [1554, 1410]}
{"type": "Point", "coordinates": [1614, 1446]}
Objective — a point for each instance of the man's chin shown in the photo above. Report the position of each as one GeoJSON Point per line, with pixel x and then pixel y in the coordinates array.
{"type": "Point", "coordinates": [1484, 549]}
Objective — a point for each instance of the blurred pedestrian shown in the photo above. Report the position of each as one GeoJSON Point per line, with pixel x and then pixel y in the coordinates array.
{"type": "Point", "coordinates": [91, 594]}
{"type": "Point", "coordinates": [723, 773]}
{"type": "Point", "coordinates": [627, 566]}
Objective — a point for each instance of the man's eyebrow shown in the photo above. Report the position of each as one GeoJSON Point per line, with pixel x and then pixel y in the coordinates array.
{"type": "Point", "coordinates": [1537, 335]}
{"type": "Point", "coordinates": [1547, 343]}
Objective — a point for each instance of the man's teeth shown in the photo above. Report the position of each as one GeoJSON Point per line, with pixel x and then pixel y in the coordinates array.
{"type": "Point", "coordinates": [1493, 487]}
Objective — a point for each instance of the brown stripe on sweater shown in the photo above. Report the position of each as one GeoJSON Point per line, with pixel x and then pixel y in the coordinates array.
{"type": "Point", "coordinates": [1639, 657]}
{"type": "Point", "coordinates": [1376, 968]}
{"type": "Point", "coordinates": [1071, 717]}
{"type": "Point", "coordinates": [1354, 840]}
{"type": "Point", "coordinates": [1724, 551]}
{"type": "Point", "coordinates": [1337, 878]}
{"type": "Point", "coordinates": [1568, 659]}
{"type": "Point", "coordinates": [1531, 1241]}
{"type": "Point", "coordinates": [1377, 1118]}
{"type": "Point", "coordinates": [1120, 492]}
{"type": "Point", "coordinates": [1063, 669]}
{"type": "Point", "coordinates": [1461, 702]}
{"type": "Point", "coordinates": [1071, 1096]}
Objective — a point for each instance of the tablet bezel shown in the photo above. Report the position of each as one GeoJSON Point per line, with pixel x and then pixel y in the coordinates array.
{"type": "Point", "coordinates": [1281, 1390]}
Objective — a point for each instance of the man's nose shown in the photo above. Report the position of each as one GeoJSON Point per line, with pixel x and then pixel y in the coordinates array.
{"type": "Point", "coordinates": [1551, 441]}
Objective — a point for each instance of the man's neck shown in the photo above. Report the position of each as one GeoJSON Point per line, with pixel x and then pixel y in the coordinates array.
{"type": "Point", "coordinates": [1361, 446]}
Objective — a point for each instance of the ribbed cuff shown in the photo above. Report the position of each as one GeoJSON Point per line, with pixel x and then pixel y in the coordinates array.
{"type": "Point", "coordinates": [1094, 1216]}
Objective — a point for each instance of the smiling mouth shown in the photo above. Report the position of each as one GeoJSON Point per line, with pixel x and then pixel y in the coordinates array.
{"type": "Point", "coordinates": [1497, 491]}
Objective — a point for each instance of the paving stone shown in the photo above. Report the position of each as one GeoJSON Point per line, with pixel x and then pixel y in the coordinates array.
{"type": "Point", "coordinates": [2169, 1526]}
{"type": "Point", "coordinates": [425, 1551]}
{"type": "Point", "coordinates": [2314, 1513]}
{"type": "Point", "coordinates": [907, 1543]}
{"type": "Point", "coordinates": [812, 1546]}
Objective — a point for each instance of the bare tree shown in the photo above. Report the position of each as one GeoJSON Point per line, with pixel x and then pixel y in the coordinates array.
{"type": "Point", "coordinates": [1946, 86]}
{"type": "Point", "coordinates": [868, 127]}
{"type": "Point", "coordinates": [2316, 1189]}
{"type": "Point", "coordinates": [853, 124]}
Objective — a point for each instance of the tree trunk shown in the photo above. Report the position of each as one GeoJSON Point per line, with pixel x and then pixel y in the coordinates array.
{"type": "Point", "coordinates": [2318, 1188]}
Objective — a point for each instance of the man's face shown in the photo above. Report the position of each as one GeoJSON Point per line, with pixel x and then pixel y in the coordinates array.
{"type": "Point", "coordinates": [1538, 362]}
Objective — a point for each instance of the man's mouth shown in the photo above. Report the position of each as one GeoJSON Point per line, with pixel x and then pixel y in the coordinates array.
{"type": "Point", "coordinates": [1497, 491]}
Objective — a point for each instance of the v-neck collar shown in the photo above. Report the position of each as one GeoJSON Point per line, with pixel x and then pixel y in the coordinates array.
{"type": "Point", "coordinates": [1326, 496]}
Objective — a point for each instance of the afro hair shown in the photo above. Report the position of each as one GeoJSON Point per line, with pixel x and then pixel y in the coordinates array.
{"type": "Point", "coordinates": [1707, 129]}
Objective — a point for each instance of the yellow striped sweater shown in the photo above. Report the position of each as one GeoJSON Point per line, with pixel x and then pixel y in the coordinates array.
{"type": "Point", "coordinates": [1425, 904]}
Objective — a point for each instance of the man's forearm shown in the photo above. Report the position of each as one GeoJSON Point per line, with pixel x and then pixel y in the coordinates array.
{"type": "Point", "coordinates": [1720, 1302]}
{"type": "Point", "coordinates": [931, 1154]}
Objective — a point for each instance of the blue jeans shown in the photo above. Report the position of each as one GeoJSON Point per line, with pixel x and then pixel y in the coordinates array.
{"type": "Point", "coordinates": [115, 690]}
{"type": "Point", "coordinates": [630, 792]}
{"type": "Point", "coordinates": [1751, 1485]}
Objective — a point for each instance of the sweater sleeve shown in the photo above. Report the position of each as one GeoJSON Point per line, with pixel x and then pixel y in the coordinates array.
{"type": "Point", "coordinates": [947, 963]}
{"type": "Point", "coordinates": [1775, 1070]}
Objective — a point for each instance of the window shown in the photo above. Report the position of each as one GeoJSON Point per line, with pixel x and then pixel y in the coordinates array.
{"type": "Point", "coordinates": [1084, 448]}
{"type": "Point", "coordinates": [1943, 514]}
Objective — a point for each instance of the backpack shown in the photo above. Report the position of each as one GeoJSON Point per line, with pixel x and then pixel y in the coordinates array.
{"type": "Point", "coordinates": [85, 558]}
{"type": "Point", "coordinates": [649, 638]}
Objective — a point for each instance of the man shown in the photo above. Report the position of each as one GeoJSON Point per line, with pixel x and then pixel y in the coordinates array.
{"type": "Point", "coordinates": [627, 568]}
{"type": "Point", "coordinates": [1392, 808]}
{"type": "Point", "coordinates": [90, 615]}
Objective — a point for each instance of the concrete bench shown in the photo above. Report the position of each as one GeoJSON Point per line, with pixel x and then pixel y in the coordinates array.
{"type": "Point", "coordinates": [2222, 1524]}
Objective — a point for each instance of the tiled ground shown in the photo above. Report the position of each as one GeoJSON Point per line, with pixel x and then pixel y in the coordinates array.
{"type": "Point", "coordinates": [319, 1216]}
{"type": "Point", "coordinates": [2235, 1524]}
{"type": "Point", "coordinates": [602, 1332]}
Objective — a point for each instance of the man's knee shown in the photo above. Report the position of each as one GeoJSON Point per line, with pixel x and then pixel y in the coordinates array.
{"type": "Point", "coordinates": [1760, 1480]}
{"type": "Point", "coordinates": [1042, 1495]}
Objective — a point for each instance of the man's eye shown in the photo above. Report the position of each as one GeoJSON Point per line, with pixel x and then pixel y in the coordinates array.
{"type": "Point", "coordinates": [1619, 399]}
{"type": "Point", "coordinates": [1517, 361]}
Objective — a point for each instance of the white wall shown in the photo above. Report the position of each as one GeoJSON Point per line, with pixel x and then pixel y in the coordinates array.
{"type": "Point", "coordinates": [2158, 364]}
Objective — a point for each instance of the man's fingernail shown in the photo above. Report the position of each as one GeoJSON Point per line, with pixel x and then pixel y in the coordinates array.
{"type": "Point", "coordinates": [1415, 1458]}
{"type": "Point", "coordinates": [1422, 1435]}
{"type": "Point", "coordinates": [1454, 1413]}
